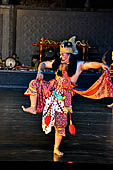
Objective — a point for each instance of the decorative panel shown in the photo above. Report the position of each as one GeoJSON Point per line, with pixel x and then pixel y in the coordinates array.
{"type": "Point", "coordinates": [97, 27]}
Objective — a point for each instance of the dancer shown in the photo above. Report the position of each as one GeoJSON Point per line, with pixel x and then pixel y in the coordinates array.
{"type": "Point", "coordinates": [58, 93]}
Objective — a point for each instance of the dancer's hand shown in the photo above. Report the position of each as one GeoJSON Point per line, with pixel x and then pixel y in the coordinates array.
{"type": "Point", "coordinates": [105, 67]}
{"type": "Point", "coordinates": [39, 76]}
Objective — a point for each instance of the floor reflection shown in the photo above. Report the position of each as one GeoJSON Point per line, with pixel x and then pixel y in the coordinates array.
{"type": "Point", "coordinates": [22, 138]}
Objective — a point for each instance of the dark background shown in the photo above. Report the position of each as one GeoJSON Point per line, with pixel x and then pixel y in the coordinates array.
{"type": "Point", "coordinates": [65, 3]}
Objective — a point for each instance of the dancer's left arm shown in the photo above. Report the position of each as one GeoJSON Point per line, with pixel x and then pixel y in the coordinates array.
{"type": "Point", "coordinates": [82, 66]}
{"type": "Point", "coordinates": [93, 65]}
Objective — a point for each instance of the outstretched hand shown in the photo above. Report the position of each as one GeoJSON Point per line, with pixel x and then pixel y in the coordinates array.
{"type": "Point", "coordinates": [105, 67]}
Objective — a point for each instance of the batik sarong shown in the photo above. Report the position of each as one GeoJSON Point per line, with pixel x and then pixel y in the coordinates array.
{"type": "Point", "coordinates": [102, 88]}
{"type": "Point", "coordinates": [56, 105]}
{"type": "Point", "coordinates": [42, 90]}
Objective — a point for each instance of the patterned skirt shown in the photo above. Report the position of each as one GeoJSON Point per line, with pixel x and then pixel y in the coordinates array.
{"type": "Point", "coordinates": [55, 108]}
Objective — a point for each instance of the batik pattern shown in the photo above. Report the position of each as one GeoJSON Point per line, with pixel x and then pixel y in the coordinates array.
{"type": "Point", "coordinates": [55, 105]}
{"type": "Point", "coordinates": [102, 88]}
{"type": "Point", "coordinates": [42, 90]}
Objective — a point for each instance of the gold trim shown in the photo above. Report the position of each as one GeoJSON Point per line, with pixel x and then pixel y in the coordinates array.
{"type": "Point", "coordinates": [65, 50]}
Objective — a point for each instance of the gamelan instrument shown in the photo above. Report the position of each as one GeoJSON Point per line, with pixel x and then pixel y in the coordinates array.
{"type": "Point", "coordinates": [10, 63]}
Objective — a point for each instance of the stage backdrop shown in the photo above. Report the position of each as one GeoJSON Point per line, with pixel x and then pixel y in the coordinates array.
{"type": "Point", "coordinates": [21, 26]}
{"type": "Point", "coordinates": [97, 27]}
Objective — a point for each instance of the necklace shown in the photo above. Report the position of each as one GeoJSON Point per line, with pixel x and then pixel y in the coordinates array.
{"type": "Point", "coordinates": [64, 62]}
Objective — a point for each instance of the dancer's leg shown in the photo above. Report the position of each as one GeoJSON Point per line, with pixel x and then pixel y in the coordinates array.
{"type": "Point", "coordinates": [32, 109]}
{"type": "Point", "coordinates": [58, 139]}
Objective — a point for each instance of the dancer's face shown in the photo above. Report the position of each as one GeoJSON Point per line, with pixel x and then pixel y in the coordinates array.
{"type": "Point", "coordinates": [65, 57]}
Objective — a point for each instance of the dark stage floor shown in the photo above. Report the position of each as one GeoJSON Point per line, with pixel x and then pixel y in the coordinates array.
{"type": "Point", "coordinates": [22, 138]}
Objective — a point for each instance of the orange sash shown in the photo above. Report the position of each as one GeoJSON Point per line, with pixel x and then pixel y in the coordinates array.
{"type": "Point", "coordinates": [103, 87]}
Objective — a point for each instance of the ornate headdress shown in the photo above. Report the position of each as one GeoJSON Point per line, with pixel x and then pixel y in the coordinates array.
{"type": "Point", "coordinates": [66, 47]}
{"type": "Point", "coordinates": [69, 46]}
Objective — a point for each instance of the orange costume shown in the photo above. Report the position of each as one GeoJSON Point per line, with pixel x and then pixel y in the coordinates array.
{"type": "Point", "coordinates": [103, 87]}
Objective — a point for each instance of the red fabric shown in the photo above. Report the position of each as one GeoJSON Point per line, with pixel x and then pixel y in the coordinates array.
{"type": "Point", "coordinates": [47, 120]}
{"type": "Point", "coordinates": [72, 129]}
{"type": "Point", "coordinates": [67, 101]}
{"type": "Point", "coordinates": [40, 99]}
{"type": "Point", "coordinates": [60, 120]}
{"type": "Point", "coordinates": [43, 91]}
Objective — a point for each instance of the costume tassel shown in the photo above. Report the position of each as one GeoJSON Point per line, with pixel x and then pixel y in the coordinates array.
{"type": "Point", "coordinates": [72, 128]}
{"type": "Point", "coordinates": [47, 120]}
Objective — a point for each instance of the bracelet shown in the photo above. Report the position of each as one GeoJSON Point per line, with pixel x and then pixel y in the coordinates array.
{"type": "Point", "coordinates": [40, 71]}
{"type": "Point", "coordinates": [41, 68]}
{"type": "Point", "coordinates": [102, 64]}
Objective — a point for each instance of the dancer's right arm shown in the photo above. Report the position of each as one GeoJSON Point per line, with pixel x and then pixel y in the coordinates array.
{"type": "Point", "coordinates": [43, 65]}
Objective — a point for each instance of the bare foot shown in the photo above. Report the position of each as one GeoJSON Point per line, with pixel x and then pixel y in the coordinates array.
{"type": "Point", "coordinates": [57, 152]}
{"type": "Point", "coordinates": [110, 105]}
{"type": "Point", "coordinates": [29, 109]}
{"type": "Point", "coordinates": [56, 158]}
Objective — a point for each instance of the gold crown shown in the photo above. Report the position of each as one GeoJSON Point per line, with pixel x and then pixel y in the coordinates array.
{"type": "Point", "coordinates": [65, 50]}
